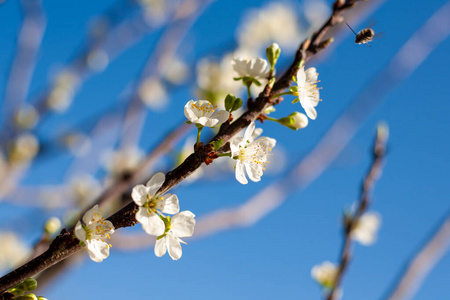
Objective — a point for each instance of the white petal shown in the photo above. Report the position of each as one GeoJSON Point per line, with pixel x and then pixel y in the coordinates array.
{"type": "Point", "coordinates": [79, 231]}
{"type": "Point", "coordinates": [97, 250]}
{"type": "Point", "coordinates": [266, 142]}
{"type": "Point", "coordinates": [151, 222]}
{"type": "Point", "coordinates": [170, 204]}
{"type": "Point", "coordinates": [174, 246]}
{"type": "Point", "coordinates": [239, 65]}
{"type": "Point", "coordinates": [248, 132]}
{"type": "Point", "coordinates": [240, 173]}
{"type": "Point", "coordinates": [234, 145]}
{"type": "Point", "coordinates": [311, 75]}
{"type": "Point", "coordinates": [221, 116]}
{"type": "Point", "coordinates": [309, 109]}
{"type": "Point", "coordinates": [207, 122]}
{"type": "Point", "coordinates": [92, 214]}
{"type": "Point", "coordinates": [301, 77]}
{"type": "Point", "coordinates": [189, 112]}
{"type": "Point", "coordinates": [161, 247]}
{"type": "Point", "coordinates": [183, 224]}
{"type": "Point", "coordinates": [155, 183]}
{"type": "Point", "coordinates": [254, 171]}
{"type": "Point", "coordinates": [139, 194]}
{"type": "Point", "coordinates": [258, 68]}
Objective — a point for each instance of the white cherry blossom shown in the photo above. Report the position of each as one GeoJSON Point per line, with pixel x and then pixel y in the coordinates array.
{"type": "Point", "coordinates": [307, 91]}
{"type": "Point", "coordinates": [93, 232]}
{"type": "Point", "coordinates": [325, 274]}
{"type": "Point", "coordinates": [180, 225]}
{"type": "Point", "coordinates": [151, 204]}
{"type": "Point", "coordinates": [204, 113]}
{"type": "Point", "coordinates": [256, 68]}
{"type": "Point", "coordinates": [365, 231]}
{"type": "Point", "coordinates": [251, 155]}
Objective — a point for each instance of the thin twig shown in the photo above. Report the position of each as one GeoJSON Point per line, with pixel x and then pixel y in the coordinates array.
{"type": "Point", "coordinates": [350, 223]}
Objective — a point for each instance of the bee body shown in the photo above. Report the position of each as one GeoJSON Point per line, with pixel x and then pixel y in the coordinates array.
{"type": "Point", "coordinates": [364, 36]}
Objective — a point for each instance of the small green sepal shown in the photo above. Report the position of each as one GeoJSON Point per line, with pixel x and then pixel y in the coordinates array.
{"type": "Point", "coordinates": [217, 144]}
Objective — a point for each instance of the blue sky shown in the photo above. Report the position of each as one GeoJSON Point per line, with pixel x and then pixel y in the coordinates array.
{"type": "Point", "coordinates": [272, 258]}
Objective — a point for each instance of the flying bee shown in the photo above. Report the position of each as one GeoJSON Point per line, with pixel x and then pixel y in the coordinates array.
{"type": "Point", "coordinates": [364, 36]}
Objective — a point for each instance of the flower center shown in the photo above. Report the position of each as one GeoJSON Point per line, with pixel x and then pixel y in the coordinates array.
{"type": "Point", "coordinates": [98, 229]}
{"type": "Point", "coordinates": [152, 203]}
{"type": "Point", "coordinates": [255, 153]}
{"type": "Point", "coordinates": [205, 108]}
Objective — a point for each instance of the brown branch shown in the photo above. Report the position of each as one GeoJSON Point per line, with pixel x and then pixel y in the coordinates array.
{"type": "Point", "coordinates": [126, 216]}
{"type": "Point", "coordinates": [350, 223]}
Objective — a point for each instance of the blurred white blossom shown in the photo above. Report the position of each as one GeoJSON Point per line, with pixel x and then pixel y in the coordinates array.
{"type": "Point", "coordinates": [123, 161]}
{"type": "Point", "coordinates": [23, 149]}
{"type": "Point", "coordinates": [27, 117]}
{"type": "Point", "coordinates": [174, 69]}
{"type": "Point", "coordinates": [63, 90]}
{"type": "Point", "coordinates": [97, 60]}
{"type": "Point", "coordinates": [276, 22]}
{"type": "Point", "coordinates": [325, 274]}
{"type": "Point", "coordinates": [78, 143]}
{"type": "Point", "coordinates": [215, 79]}
{"type": "Point", "coordinates": [155, 10]}
{"type": "Point", "coordinates": [84, 189]}
{"type": "Point", "coordinates": [153, 93]}
{"type": "Point", "coordinates": [366, 228]}
{"type": "Point", "coordinates": [316, 13]}
{"type": "Point", "coordinates": [12, 250]}
{"type": "Point", "coordinates": [52, 226]}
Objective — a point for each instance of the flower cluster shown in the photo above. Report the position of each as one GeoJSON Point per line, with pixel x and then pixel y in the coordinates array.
{"type": "Point", "coordinates": [159, 213]}
{"type": "Point", "coordinates": [152, 207]}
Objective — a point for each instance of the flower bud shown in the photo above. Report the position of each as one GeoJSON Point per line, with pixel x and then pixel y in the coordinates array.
{"type": "Point", "coordinates": [294, 121]}
{"type": "Point", "coordinates": [273, 53]}
{"type": "Point", "coordinates": [27, 297]}
{"type": "Point", "coordinates": [269, 109]}
{"type": "Point", "coordinates": [30, 284]}
{"type": "Point", "coordinates": [52, 225]}
{"type": "Point", "coordinates": [41, 298]}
